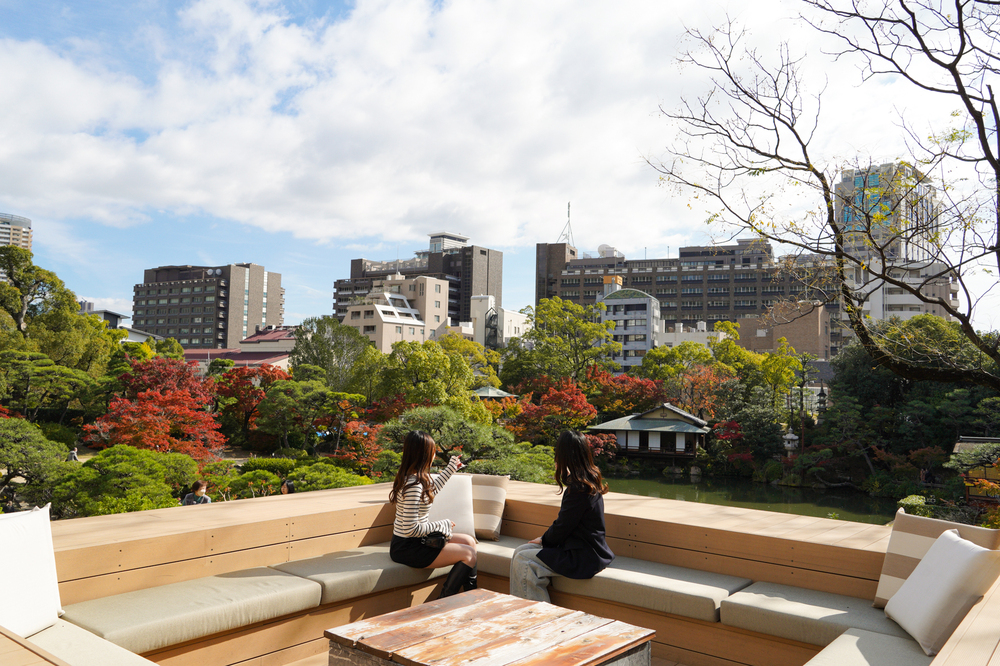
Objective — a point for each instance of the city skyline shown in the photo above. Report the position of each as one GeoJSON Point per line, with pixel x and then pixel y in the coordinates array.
{"type": "Point", "coordinates": [299, 135]}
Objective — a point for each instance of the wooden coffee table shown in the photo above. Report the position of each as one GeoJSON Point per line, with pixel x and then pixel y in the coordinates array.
{"type": "Point", "coordinates": [485, 628]}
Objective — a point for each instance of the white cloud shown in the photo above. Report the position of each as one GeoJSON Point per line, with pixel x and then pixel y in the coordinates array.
{"type": "Point", "coordinates": [405, 117]}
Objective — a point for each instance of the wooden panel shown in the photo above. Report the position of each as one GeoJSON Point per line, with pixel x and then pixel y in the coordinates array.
{"type": "Point", "coordinates": [316, 546]}
{"type": "Point", "coordinates": [976, 641]}
{"type": "Point", "coordinates": [74, 591]}
{"type": "Point", "coordinates": [16, 651]}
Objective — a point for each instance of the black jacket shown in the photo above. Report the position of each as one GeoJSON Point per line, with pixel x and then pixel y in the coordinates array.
{"type": "Point", "coordinates": [575, 546]}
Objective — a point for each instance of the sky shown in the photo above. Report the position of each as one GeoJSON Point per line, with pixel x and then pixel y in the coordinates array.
{"type": "Point", "coordinates": [301, 134]}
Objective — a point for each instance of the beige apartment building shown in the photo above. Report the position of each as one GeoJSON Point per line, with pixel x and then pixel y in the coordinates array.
{"type": "Point", "coordinates": [15, 230]}
{"type": "Point", "coordinates": [399, 309]}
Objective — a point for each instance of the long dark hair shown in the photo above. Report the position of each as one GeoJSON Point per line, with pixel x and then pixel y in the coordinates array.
{"type": "Point", "coordinates": [418, 454]}
{"type": "Point", "coordinates": [575, 466]}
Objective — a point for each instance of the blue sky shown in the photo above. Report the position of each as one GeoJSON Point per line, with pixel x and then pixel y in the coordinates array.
{"type": "Point", "coordinates": [301, 134]}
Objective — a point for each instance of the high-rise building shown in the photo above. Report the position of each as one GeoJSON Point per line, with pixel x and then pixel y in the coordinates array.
{"type": "Point", "coordinates": [636, 315]}
{"type": "Point", "coordinates": [470, 270]}
{"type": "Point", "coordinates": [710, 283]}
{"type": "Point", "coordinates": [208, 306]}
{"type": "Point", "coordinates": [891, 215]}
{"type": "Point", "coordinates": [15, 230]}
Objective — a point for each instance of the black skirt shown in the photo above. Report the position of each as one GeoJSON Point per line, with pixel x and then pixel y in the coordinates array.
{"type": "Point", "coordinates": [411, 552]}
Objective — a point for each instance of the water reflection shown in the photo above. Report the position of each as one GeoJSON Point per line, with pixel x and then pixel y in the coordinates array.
{"type": "Point", "coordinates": [847, 504]}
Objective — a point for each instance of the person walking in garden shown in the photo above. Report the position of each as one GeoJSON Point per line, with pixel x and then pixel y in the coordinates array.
{"type": "Point", "coordinates": [574, 546]}
{"type": "Point", "coordinates": [197, 494]}
{"type": "Point", "coordinates": [417, 542]}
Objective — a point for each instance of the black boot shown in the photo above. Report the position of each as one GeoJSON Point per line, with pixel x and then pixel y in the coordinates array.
{"type": "Point", "coordinates": [458, 575]}
{"type": "Point", "coordinates": [472, 582]}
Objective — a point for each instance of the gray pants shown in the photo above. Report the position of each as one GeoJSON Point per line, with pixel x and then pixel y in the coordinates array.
{"type": "Point", "coordinates": [529, 576]}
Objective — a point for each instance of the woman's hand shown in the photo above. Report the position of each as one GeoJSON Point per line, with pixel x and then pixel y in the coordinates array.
{"type": "Point", "coordinates": [537, 540]}
{"type": "Point", "coordinates": [452, 524]}
{"type": "Point", "coordinates": [457, 462]}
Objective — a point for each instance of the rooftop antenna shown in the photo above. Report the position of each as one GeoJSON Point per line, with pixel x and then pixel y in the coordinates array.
{"type": "Point", "coordinates": [567, 232]}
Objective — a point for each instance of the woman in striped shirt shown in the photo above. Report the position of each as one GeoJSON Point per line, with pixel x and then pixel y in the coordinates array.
{"type": "Point", "coordinates": [417, 542]}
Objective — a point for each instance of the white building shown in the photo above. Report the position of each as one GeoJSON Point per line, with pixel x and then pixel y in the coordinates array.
{"type": "Point", "coordinates": [494, 327]}
{"type": "Point", "coordinates": [401, 309]}
{"type": "Point", "coordinates": [637, 320]}
{"type": "Point", "coordinates": [676, 333]}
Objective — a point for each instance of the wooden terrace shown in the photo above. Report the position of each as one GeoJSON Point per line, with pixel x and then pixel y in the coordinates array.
{"type": "Point", "coordinates": [107, 555]}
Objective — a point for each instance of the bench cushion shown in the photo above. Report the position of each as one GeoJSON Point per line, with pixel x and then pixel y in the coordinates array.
{"type": "Point", "coordinates": [857, 647]}
{"type": "Point", "coordinates": [79, 647]}
{"type": "Point", "coordinates": [803, 615]}
{"type": "Point", "coordinates": [148, 619]}
{"type": "Point", "coordinates": [659, 587]}
{"type": "Point", "coordinates": [354, 573]}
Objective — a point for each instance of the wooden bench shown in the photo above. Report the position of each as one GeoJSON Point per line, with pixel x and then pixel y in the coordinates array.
{"type": "Point", "coordinates": [106, 555]}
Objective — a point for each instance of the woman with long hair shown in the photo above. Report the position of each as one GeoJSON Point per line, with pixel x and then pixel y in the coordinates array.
{"type": "Point", "coordinates": [574, 546]}
{"type": "Point", "coordinates": [417, 542]}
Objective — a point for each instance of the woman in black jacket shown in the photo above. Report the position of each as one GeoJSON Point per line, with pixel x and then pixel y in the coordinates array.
{"type": "Point", "coordinates": [574, 546]}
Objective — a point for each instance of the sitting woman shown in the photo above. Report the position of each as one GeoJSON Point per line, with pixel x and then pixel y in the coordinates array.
{"type": "Point", "coordinates": [574, 546]}
{"type": "Point", "coordinates": [417, 542]}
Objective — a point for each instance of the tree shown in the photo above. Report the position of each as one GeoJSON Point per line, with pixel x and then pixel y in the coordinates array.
{"type": "Point", "coordinates": [296, 411]}
{"type": "Point", "coordinates": [564, 340]}
{"type": "Point", "coordinates": [166, 374]}
{"type": "Point", "coordinates": [755, 131]}
{"type": "Point", "coordinates": [562, 407]}
{"type": "Point", "coordinates": [620, 395]}
{"type": "Point", "coordinates": [665, 363]}
{"type": "Point", "coordinates": [368, 377]}
{"type": "Point", "coordinates": [30, 465]}
{"type": "Point", "coordinates": [325, 342]}
{"type": "Point", "coordinates": [242, 390]}
{"type": "Point", "coordinates": [29, 291]}
{"type": "Point", "coordinates": [424, 372]}
{"type": "Point", "coordinates": [483, 362]}
{"type": "Point", "coordinates": [168, 421]}
{"type": "Point", "coordinates": [123, 479]}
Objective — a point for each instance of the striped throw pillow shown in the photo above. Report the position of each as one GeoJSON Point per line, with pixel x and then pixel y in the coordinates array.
{"type": "Point", "coordinates": [488, 496]}
{"type": "Point", "coordinates": [911, 538]}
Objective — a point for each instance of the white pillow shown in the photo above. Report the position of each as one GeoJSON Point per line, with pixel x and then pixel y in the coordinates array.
{"type": "Point", "coordinates": [28, 573]}
{"type": "Point", "coordinates": [950, 579]}
{"type": "Point", "coordinates": [454, 502]}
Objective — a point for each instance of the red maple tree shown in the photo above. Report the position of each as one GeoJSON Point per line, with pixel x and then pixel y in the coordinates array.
{"type": "Point", "coordinates": [620, 395]}
{"type": "Point", "coordinates": [247, 388]}
{"type": "Point", "coordinates": [562, 407]}
{"type": "Point", "coordinates": [165, 375]}
{"type": "Point", "coordinates": [169, 421]}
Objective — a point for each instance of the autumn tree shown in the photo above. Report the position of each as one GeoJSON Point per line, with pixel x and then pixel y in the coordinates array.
{"type": "Point", "coordinates": [758, 128]}
{"type": "Point", "coordinates": [166, 374]}
{"type": "Point", "coordinates": [167, 421]}
{"type": "Point", "coordinates": [620, 395]}
{"type": "Point", "coordinates": [242, 389]}
{"type": "Point", "coordinates": [562, 407]}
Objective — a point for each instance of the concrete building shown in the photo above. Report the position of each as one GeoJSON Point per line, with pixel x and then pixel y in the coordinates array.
{"type": "Point", "coordinates": [469, 270]}
{"type": "Point", "coordinates": [636, 315]}
{"type": "Point", "coordinates": [269, 346]}
{"type": "Point", "coordinates": [738, 282]}
{"type": "Point", "coordinates": [398, 308]}
{"type": "Point", "coordinates": [806, 326]}
{"type": "Point", "coordinates": [494, 327]}
{"type": "Point", "coordinates": [15, 230]}
{"type": "Point", "coordinates": [892, 214]}
{"type": "Point", "coordinates": [117, 320]}
{"type": "Point", "coordinates": [208, 306]}
{"type": "Point", "coordinates": [671, 336]}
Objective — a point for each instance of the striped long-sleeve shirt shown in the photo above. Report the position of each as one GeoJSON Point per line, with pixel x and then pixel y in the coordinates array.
{"type": "Point", "coordinates": [411, 509]}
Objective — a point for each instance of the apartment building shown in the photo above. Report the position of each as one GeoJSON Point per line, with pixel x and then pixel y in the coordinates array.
{"type": "Point", "coordinates": [398, 308]}
{"type": "Point", "coordinates": [208, 306]}
{"type": "Point", "coordinates": [891, 213]}
{"type": "Point", "coordinates": [636, 316]}
{"type": "Point", "coordinates": [469, 270]}
{"type": "Point", "coordinates": [15, 230]}
{"type": "Point", "coordinates": [494, 327]}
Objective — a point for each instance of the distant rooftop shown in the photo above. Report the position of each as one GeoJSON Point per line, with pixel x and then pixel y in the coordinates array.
{"type": "Point", "coordinates": [15, 219]}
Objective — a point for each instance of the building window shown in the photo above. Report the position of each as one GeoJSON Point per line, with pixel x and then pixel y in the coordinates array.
{"type": "Point", "coordinates": [196, 320]}
{"type": "Point", "coordinates": [184, 341]}
{"type": "Point", "coordinates": [197, 290]}
{"type": "Point", "coordinates": [207, 329]}
{"type": "Point", "coordinates": [437, 319]}
{"type": "Point", "coordinates": [356, 314]}
{"type": "Point", "coordinates": [369, 329]}
{"type": "Point", "coordinates": [437, 289]}
{"type": "Point", "coordinates": [399, 329]}
{"type": "Point", "coordinates": [437, 304]}
{"type": "Point", "coordinates": [210, 288]}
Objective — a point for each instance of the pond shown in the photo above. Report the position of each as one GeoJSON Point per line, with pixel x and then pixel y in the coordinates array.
{"type": "Point", "coordinates": [845, 503]}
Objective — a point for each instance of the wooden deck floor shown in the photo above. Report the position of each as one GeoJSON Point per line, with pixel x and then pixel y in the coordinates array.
{"type": "Point", "coordinates": [321, 660]}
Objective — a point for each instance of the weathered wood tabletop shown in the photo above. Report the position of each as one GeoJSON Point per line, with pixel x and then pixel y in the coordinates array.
{"type": "Point", "coordinates": [485, 628]}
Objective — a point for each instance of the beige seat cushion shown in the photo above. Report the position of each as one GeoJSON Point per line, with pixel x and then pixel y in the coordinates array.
{"type": "Point", "coordinates": [489, 494]}
{"type": "Point", "coordinates": [354, 573]}
{"type": "Point", "coordinates": [857, 647]}
{"type": "Point", "coordinates": [79, 647]}
{"type": "Point", "coordinates": [803, 615]}
{"type": "Point", "coordinates": [148, 619]}
{"type": "Point", "coordinates": [660, 587]}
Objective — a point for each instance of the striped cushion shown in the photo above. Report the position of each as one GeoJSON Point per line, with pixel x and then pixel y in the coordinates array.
{"type": "Point", "coordinates": [911, 538]}
{"type": "Point", "coordinates": [488, 496]}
